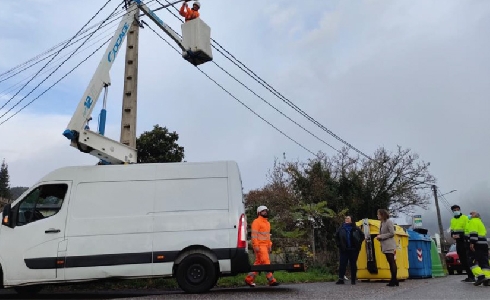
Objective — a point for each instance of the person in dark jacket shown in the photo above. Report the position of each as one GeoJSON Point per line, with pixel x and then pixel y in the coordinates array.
{"type": "Point", "coordinates": [349, 239]}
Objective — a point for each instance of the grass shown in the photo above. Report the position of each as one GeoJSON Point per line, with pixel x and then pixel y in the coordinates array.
{"type": "Point", "coordinates": [313, 275]}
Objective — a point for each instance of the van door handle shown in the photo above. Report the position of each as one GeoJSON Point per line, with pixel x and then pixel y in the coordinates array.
{"type": "Point", "coordinates": [52, 230]}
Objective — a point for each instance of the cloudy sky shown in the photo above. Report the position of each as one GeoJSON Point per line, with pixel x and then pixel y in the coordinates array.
{"type": "Point", "coordinates": [375, 72]}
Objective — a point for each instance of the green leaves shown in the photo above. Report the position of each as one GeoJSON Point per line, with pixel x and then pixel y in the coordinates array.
{"type": "Point", "coordinates": [159, 146]}
{"type": "Point", "coordinates": [5, 182]}
{"type": "Point", "coordinates": [309, 200]}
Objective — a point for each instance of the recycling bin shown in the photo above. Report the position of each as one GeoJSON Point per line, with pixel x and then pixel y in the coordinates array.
{"type": "Point", "coordinates": [372, 263]}
{"type": "Point", "coordinates": [419, 256]}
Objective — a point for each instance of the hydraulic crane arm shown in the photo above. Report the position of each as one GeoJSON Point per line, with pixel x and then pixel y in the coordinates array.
{"type": "Point", "coordinates": [160, 23]}
{"type": "Point", "coordinates": [77, 131]}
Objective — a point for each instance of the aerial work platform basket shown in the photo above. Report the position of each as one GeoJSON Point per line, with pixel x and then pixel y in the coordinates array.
{"type": "Point", "coordinates": [196, 39]}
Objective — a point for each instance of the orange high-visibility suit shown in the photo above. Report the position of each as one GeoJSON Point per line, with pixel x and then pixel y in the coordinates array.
{"type": "Point", "coordinates": [262, 245]}
{"type": "Point", "coordinates": [188, 13]}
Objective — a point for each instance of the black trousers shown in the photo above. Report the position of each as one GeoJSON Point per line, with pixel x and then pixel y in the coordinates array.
{"type": "Point", "coordinates": [390, 257]}
{"type": "Point", "coordinates": [348, 256]}
{"type": "Point", "coordinates": [462, 248]}
{"type": "Point", "coordinates": [481, 257]}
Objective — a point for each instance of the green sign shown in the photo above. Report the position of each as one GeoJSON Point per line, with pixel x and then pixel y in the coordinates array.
{"type": "Point", "coordinates": [417, 221]}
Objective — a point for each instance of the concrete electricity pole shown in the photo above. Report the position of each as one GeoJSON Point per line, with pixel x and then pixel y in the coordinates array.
{"type": "Point", "coordinates": [130, 95]}
{"type": "Point", "coordinates": [439, 221]}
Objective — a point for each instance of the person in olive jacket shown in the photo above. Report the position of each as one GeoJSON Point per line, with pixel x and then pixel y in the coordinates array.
{"type": "Point", "coordinates": [349, 239]}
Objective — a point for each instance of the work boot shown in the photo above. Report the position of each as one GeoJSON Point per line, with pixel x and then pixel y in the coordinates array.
{"type": "Point", "coordinates": [275, 283]}
{"type": "Point", "coordinates": [479, 280]}
{"type": "Point", "coordinates": [469, 279]}
{"type": "Point", "coordinates": [486, 282]}
{"type": "Point", "coordinates": [340, 281]}
{"type": "Point", "coordinates": [249, 283]}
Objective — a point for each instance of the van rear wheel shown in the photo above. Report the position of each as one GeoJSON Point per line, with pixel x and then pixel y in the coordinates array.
{"type": "Point", "coordinates": [196, 274]}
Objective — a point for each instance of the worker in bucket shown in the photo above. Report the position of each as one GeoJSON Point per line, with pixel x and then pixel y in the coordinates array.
{"type": "Point", "coordinates": [262, 245]}
{"type": "Point", "coordinates": [190, 13]}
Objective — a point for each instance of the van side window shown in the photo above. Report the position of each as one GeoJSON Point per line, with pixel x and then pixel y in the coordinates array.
{"type": "Point", "coordinates": [43, 202]}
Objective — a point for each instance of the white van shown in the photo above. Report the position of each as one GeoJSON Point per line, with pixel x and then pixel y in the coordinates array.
{"type": "Point", "coordinates": [185, 220]}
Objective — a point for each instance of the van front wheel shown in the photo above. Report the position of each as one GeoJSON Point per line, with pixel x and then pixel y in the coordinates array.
{"type": "Point", "coordinates": [196, 274]}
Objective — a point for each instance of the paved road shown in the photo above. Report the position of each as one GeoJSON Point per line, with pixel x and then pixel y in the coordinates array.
{"type": "Point", "coordinates": [439, 288]}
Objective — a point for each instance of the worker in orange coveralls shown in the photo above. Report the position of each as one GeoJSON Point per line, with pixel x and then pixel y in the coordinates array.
{"type": "Point", "coordinates": [190, 13]}
{"type": "Point", "coordinates": [262, 245]}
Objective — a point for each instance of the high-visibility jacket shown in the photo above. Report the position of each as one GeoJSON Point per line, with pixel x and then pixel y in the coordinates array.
{"type": "Point", "coordinates": [458, 225]}
{"type": "Point", "coordinates": [467, 230]}
{"type": "Point", "coordinates": [188, 13]}
{"type": "Point", "coordinates": [261, 233]}
{"type": "Point", "coordinates": [478, 232]}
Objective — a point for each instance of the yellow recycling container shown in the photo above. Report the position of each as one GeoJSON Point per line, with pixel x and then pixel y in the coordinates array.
{"type": "Point", "coordinates": [373, 265]}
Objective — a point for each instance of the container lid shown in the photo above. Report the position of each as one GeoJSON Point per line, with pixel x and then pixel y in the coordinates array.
{"type": "Point", "coordinates": [416, 236]}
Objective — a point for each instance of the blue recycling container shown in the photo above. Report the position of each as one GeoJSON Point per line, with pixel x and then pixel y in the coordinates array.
{"type": "Point", "coordinates": [419, 258]}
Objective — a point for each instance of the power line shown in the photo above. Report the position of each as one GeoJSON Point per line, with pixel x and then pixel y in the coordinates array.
{"type": "Point", "coordinates": [3, 92]}
{"type": "Point", "coordinates": [257, 78]}
{"type": "Point", "coordinates": [271, 89]}
{"type": "Point", "coordinates": [276, 109]}
{"type": "Point", "coordinates": [229, 93]}
{"type": "Point", "coordinates": [445, 202]}
{"type": "Point", "coordinates": [117, 16]}
{"type": "Point", "coordinates": [48, 64]}
{"type": "Point", "coordinates": [18, 102]}
{"type": "Point", "coordinates": [55, 83]}
{"type": "Point", "coordinates": [258, 96]}
{"type": "Point", "coordinates": [35, 62]}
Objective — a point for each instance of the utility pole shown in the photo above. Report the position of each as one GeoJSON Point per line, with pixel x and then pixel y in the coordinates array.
{"type": "Point", "coordinates": [439, 221]}
{"type": "Point", "coordinates": [130, 95]}
{"type": "Point", "coordinates": [441, 230]}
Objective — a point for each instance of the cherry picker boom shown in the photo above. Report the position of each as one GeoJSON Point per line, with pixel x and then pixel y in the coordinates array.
{"type": "Point", "coordinates": [195, 49]}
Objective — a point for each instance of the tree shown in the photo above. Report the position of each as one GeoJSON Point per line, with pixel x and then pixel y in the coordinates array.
{"type": "Point", "coordinates": [159, 146]}
{"type": "Point", "coordinates": [397, 181]}
{"type": "Point", "coordinates": [310, 199]}
{"type": "Point", "coordinates": [16, 191]}
{"type": "Point", "coordinates": [4, 182]}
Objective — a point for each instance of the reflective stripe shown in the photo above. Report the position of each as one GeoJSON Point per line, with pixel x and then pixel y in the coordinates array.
{"type": "Point", "coordinates": [261, 235]}
{"type": "Point", "coordinates": [482, 242]}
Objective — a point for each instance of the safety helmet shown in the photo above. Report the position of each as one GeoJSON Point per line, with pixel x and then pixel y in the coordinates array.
{"type": "Point", "coordinates": [455, 206]}
{"type": "Point", "coordinates": [197, 3]}
{"type": "Point", "coordinates": [261, 208]}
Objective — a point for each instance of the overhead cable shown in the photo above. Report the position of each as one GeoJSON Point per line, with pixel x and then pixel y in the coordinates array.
{"type": "Point", "coordinates": [20, 101]}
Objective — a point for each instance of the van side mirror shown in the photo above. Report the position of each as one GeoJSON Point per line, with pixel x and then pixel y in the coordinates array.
{"type": "Point", "coordinates": [7, 219]}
